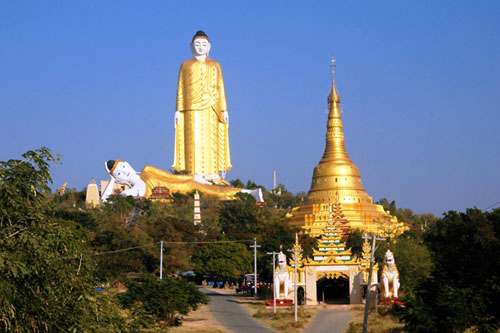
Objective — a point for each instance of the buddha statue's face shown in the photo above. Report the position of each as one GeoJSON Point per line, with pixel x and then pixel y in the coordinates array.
{"type": "Point", "coordinates": [124, 172]}
{"type": "Point", "coordinates": [200, 47]}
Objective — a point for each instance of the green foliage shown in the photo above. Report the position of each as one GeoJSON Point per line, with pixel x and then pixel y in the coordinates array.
{"type": "Point", "coordinates": [308, 244]}
{"type": "Point", "coordinates": [283, 199]}
{"type": "Point", "coordinates": [242, 219]}
{"type": "Point", "coordinates": [355, 242]}
{"type": "Point", "coordinates": [239, 219]}
{"type": "Point", "coordinates": [71, 199]}
{"type": "Point", "coordinates": [388, 206]}
{"type": "Point", "coordinates": [416, 222]}
{"type": "Point", "coordinates": [83, 218]}
{"type": "Point", "coordinates": [119, 205]}
{"type": "Point", "coordinates": [158, 221]}
{"type": "Point", "coordinates": [463, 288]}
{"type": "Point", "coordinates": [114, 235]}
{"type": "Point", "coordinates": [413, 261]}
{"type": "Point", "coordinates": [237, 183]}
{"type": "Point", "coordinates": [225, 261]}
{"type": "Point", "coordinates": [23, 184]}
{"type": "Point", "coordinates": [164, 300]}
{"type": "Point", "coordinates": [170, 224]}
{"type": "Point", "coordinates": [47, 284]}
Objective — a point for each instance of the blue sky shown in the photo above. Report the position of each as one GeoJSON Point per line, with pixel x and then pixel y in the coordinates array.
{"type": "Point", "coordinates": [419, 82]}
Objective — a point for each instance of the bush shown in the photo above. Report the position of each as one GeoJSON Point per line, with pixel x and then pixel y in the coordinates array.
{"type": "Point", "coordinates": [164, 300]}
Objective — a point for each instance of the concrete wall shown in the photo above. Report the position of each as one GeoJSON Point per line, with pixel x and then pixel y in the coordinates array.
{"type": "Point", "coordinates": [310, 294]}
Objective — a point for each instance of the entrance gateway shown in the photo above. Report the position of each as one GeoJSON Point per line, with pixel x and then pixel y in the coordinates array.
{"type": "Point", "coordinates": [333, 275]}
{"type": "Point", "coordinates": [332, 291]}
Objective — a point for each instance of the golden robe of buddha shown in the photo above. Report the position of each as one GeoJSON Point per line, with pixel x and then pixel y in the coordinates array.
{"type": "Point", "coordinates": [201, 131]}
{"type": "Point", "coordinates": [154, 177]}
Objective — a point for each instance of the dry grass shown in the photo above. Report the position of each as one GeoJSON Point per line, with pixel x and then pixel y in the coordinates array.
{"type": "Point", "coordinates": [378, 322]}
{"type": "Point", "coordinates": [200, 320]}
{"type": "Point", "coordinates": [283, 320]}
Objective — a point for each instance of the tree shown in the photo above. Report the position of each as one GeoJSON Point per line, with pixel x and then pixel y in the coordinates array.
{"type": "Point", "coordinates": [113, 235]}
{"type": "Point", "coordinates": [413, 261]}
{"type": "Point", "coordinates": [237, 183]}
{"type": "Point", "coordinates": [462, 290]}
{"type": "Point", "coordinates": [388, 206]}
{"type": "Point", "coordinates": [239, 219]}
{"type": "Point", "coordinates": [163, 300]}
{"type": "Point", "coordinates": [225, 261]}
{"type": "Point", "coordinates": [355, 242]}
{"type": "Point", "coordinates": [48, 280]}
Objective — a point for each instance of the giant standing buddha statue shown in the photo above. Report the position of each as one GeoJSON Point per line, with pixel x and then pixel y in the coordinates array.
{"type": "Point", "coordinates": [337, 179]}
{"type": "Point", "coordinates": [201, 118]}
{"type": "Point", "coordinates": [201, 139]}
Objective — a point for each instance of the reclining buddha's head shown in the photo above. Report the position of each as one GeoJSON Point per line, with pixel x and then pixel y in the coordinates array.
{"type": "Point", "coordinates": [120, 170]}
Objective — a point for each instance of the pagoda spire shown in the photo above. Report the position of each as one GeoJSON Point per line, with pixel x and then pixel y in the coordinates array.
{"type": "Point", "coordinates": [335, 147]}
{"type": "Point", "coordinates": [336, 173]}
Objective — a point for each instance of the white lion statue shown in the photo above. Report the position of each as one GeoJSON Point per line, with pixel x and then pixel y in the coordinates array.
{"type": "Point", "coordinates": [390, 276]}
{"type": "Point", "coordinates": [282, 281]}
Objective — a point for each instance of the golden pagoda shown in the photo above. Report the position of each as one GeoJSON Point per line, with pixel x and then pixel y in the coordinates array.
{"type": "Point", "coordinates": [337, 178]}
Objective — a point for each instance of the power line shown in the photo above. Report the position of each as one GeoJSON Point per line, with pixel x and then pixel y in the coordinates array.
{"type": "Point", "coordinates": [211, 242]}
{"type": "Point", "coordinates": [492, 205]}
{"type": "Point", "coordinates": [124, 250]}
{"type": "Point", "coordinates": [152, 244]}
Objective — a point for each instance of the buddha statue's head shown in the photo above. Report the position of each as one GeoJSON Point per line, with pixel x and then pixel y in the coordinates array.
{"type": "Point", "coordinates": [200, 45]}
{"type": "Point", "coordinates": [122, 171]}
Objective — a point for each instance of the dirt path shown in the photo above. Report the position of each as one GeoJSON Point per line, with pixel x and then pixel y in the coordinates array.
{"type": "Point", "coordinates": [332, 321]}
{"type": "Point", "coordinates": [229, 313]}
{"type": "Point", "coordinates": [201, 320]}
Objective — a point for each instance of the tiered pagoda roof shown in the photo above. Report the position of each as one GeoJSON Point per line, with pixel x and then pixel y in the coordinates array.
{"type": "Point", "coordinates": [332, 240]}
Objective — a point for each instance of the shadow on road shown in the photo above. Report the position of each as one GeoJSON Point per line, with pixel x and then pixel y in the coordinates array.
{"type": "Point", "coordinates": [214, 293]}
{"type": "Point", "coordinates": [241, 302]}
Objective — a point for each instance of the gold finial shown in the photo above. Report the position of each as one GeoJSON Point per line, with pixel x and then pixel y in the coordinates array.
{"type": "Point", "coordinates": [333, 69]}
{"type": "Point", "coordinates": [333, 99]}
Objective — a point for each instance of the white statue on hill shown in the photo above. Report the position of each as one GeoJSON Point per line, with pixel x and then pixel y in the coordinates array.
{"type": "Point", "coordinates": [142, 184]}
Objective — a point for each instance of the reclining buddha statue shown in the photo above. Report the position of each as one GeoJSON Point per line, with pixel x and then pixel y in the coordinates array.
{"type": "Point", "coordinates": [142, 184]}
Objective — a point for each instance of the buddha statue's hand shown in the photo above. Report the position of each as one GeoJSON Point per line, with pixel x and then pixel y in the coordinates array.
{"type": "Point", "coordinates": [176, 118]}
{"type": "Point", "coordinates": [226, 117]}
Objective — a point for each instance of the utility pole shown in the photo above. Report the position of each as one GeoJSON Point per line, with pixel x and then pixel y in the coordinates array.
{"type": "Point", "coordinates": [372, 259]}
{"type": "Point", "coordinates": [255, 246]}
{"type": "Point", "coordinates": [274, 272]}
{"type": "Point", "coordinates": [295, 251]}
{"type": "Point", "coordinates": [161, 260]}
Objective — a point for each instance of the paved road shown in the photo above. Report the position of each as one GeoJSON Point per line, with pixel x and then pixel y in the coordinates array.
{"type": "Point", "coordinates": [332, 321]}
{"type": "Point", "coordinates": [230, 314]}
